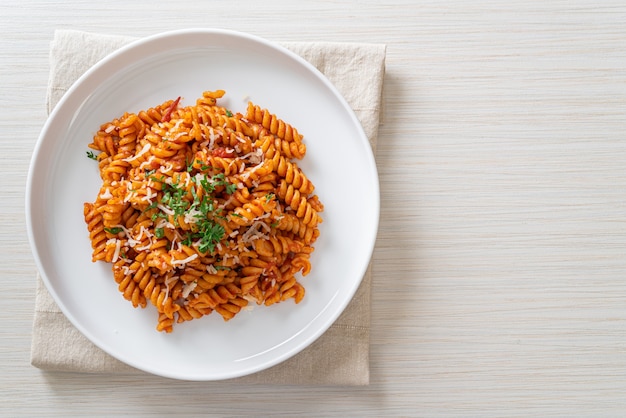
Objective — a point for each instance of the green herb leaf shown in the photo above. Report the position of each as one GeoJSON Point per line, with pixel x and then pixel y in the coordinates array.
{"type": "Point", "coordinates": [113, 231]}
{"type": "Point", "coordinates": [231, 188]}
{"type": "Point", "coordinates": [189, 165]}
{"type": "Point", "coordinates": [187, 241]}
{"type": "Point", "coordinates": [210, 234]}
{"type": "Point", "coordinates": [91, 155]}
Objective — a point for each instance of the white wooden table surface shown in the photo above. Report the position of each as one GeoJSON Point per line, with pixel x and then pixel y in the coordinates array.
{"type": "Point", "coordinates": [499, 284]}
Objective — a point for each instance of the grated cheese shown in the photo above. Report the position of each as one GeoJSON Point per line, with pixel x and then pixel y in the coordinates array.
{"type": "Point", "coordinates": [191, 217]}
{"type": "Point", "coordinates": [255, 156]}
{"type": "Point", "coordinates": [184, 261]}
{"type": "Point", "coordinates": [188, 288]}
{"type": "Point", "coordinates": [128, 271]}
{"type": "Point", "coordinates": [181, 134]}
{"type": "Point", "coordinates": [171, 279]}
{"type": "Point", "coordinates": [166, 168]}
{"type": "Point", "coordinates": [253, 233]}
{"type": "Point", "coordinates": [106, 195]}
{"type": "Point", "coordinates": [148, 162]}
{"type": "Point", "coordinates": [212, 137]}
{"type": "Point", "coordinates": [142, 231]}
{"type": "Point", "coordinates": [164, 223]}
{"type": "Point", "coordinates": [175, 242]}
{"type": "Point", "coordinates": [264, 216]}
{"type": "Point", "coordinates": [144, 248]}
{"type": "Point", "coordinates": [130, 193]}
{"type": "Point", "coordinates": [118, 247]}
{"type": "Point", "coordinates": [149, 195]}
{"type": "Point", "coordinates": [165, 209]}
{"type": "Point", "coordinates": [145, 149]}
{"type": "Point", "coordinates": [245, 175]}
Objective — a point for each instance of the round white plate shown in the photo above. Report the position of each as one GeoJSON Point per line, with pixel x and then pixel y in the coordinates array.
{"type": "Point", "coordinates": [339, 161]}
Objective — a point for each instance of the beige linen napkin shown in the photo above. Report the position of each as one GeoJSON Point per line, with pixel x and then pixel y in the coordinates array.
{"type": "Point", "coordinates": [341, 355]}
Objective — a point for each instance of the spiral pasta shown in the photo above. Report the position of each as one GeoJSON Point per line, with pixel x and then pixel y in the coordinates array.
{"type": "Point", "coordinates": [201, 210]}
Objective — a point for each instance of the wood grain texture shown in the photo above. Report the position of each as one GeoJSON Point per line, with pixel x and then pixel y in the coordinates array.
{"type": "Point", "coordinates": [499, 274]}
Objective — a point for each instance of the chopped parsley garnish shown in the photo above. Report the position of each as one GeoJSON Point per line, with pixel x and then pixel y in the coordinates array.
{"type": "Point", "coordinates": [174, 198]}
{"type": "Point", "coordinates": [189, 165]}
{"type": "Point", "coordinates": [113, 231]}
{"type": "Point", "coordinates": [91, 155]}
{"type": "Point", "coordinates": [229, 113]}
{"type": "Point", "coordinates": [196, 208]}
{"type": "Point", "coordinates": [231, 188]}
{"type": "Point", "coordinates": [209, 233]}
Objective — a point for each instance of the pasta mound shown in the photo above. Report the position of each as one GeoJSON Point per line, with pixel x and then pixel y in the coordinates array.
{"type": "Point", "coordinates": [202, 210]}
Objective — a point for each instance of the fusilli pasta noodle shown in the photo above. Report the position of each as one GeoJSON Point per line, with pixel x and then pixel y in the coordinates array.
{"type": "Point", "coordinates": [202, 210]}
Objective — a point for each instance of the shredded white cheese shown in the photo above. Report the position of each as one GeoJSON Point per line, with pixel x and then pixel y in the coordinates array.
{"type": "Point", "coordinates": [180, 135]}
{"type": "Point", "coordinates": [143, 231]}
{"type": "Point", "coordinates": [212, 137]}
{"type": "Point", "coordinates": [191, 217]}
{"type": "Point", "coordinates": [245, 175]}
{"type": "Point", "coordinates": [185, 260]}
{"type": "Point", "coordinates": [176, 244]}
{"type": "Point", "coordinates": [145, 149]}
{"type": "Point", "coordinates": [144, 248]}
{"type": "Point", "coordinates": [171, 279]}
{"type": "Point", "coordinates": [107, 194]}
{"type": "Point", "coordinates": [148, 162]}
{"type": "Point", "coordinates": [165, 209]}
{"type": "Point", "coordinates": [254, 233]}
{"type": "Point", "coordinates": [166, 168]}
{"type": "Point", "coordinates": [264, 216]}
{"type": "Point", "coordinates": [128, 271]}
{"type": "Point", "coordinates": [188, 288]}
{"type": "Point", "coordinates": [116, 254]}
{"type": "Point", "coordinates": [149, 195]}
{"type": "Point", "coordinates": [131, 241]}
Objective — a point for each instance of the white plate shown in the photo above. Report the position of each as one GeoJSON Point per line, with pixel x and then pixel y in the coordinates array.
{"type": "Point", "coordinates": [339, 161]}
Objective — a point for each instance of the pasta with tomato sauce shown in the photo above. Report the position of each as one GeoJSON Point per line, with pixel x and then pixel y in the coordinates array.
{"type": "Point", "coordinates": [201, 210]}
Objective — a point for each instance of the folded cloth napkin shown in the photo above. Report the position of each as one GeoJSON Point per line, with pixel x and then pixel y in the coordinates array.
{"type": "Point", "coordinates": [341, 355]}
